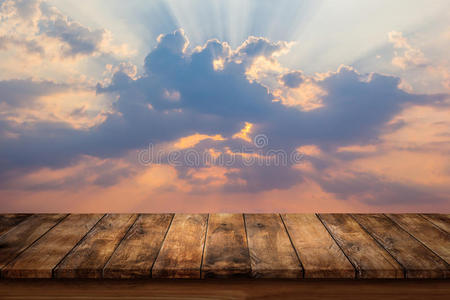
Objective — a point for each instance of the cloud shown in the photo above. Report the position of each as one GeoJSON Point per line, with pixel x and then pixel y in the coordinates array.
{"type": "Point", "coordinates": [406, 55]}
{"type": "Point", "coordinates": [356, 108]}
{"type": "Point", "coordinates": [255, 47]}
{"type": "Point", "coordinates": [181, 93]}
{"type": "Point", "coordinates": [24, 92]}
{"type": "Point", "coordinates": [292, 79]}
{"type": "Point", "coordinates": [38, 27]}
{"type": "Point", "coordinates": [89, 171]}
{"type": "Point", "coordinates": [173, 42]}
{"type": "Point", "coordinates": [31, 46]}
{"type": "Point", "coordinates": [372, 189]}
{"type": "Point", "coordinates": [26, 9]}
{"type": "Point", "coordinates": [75, 39]}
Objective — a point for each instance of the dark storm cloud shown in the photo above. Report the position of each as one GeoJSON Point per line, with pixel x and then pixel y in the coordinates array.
{"type": "Point", "coordinates": [181, 94]}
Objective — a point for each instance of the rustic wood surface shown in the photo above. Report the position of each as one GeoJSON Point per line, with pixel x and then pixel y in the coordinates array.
{"type": "Point", "coordinates": [224, 246]}
{"type": "Point", "coordinates": [8, 221]}
{"type": "Point", "coordinates": [89, 257]}
{"type": "Point", "coordinates": [226, 251]}
{"type": "Point", "coordinates": [39, 259]}
{"type": "Point", "coordinates": [440, 220]}
{"type": "Point", "coordinates": [182, 251]}
{"type": "Point", "coordinates": [426, 232]}
{"type": "Point", "coordinates": [321, 257]}
{"type": "Point", "coordinates": [418, 260]}
{"type": "Point", "coordinates": [224, 289]}
{"type": "Point", "coordinates": [271, 251]}
{"type": "Point", "coordinates": [136, 254]}
{"type": "Point", "coordinates": [24, 234]}
{"type": "Point", "coordinates": [370, 260]}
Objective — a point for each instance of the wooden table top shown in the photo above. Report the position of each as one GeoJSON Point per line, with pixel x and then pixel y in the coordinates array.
{"type": "Point", "coordinates": [344, 246]}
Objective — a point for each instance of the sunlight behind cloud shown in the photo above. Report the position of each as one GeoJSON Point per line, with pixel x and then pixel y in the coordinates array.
{"type": "Point", "coordinates": [192, 140]}
{"type": "Point", "coordinates": [244, 133]}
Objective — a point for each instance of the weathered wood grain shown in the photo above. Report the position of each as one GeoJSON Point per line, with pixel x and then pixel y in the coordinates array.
{"type": "Point", "coordinates": [39, 260]}
{"type": "Point", "coordinates": [89, 257]}
{"type": "Point", "coordinates": [225, 246]}
{"type": "Point", "coordinates": [24, 234]}
{"type": "Point", "coordinates": [440, 220]}
{"type": "Point", "coordinates": [181, 253]}
{"type": "Point", "coordinates": [370, 260]}
{"type": "Point", "coordinates": [271, 252]}
{"type": "Point", "coordinates": [418, 261]}
{"type": "Point", "coordinates": [242, 289]}
{"type": "Point", "coordinates": [426, 232]}
{"type": "Point", "coordinates": [321, 257]}
{"type": "Point", "coordinates": [137, 252]}
{"type": "Point", "coordinates": [226, 250]}
{"type": "Point", "coordinates": [8, 221]}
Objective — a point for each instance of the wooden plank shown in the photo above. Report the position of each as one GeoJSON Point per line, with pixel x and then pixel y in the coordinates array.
{"type": "Point", "coordinates": [89, 257]}
{"type": "Point", "coordinates": [271, 252]}
{"type": "Point", "coordinates": [182, 250]}
{"type": "Point", "coordinates": [242, 289]}
{"type": "Point", "coordinates": [426, 232]}
{"type": "Point", "coordinates": [137, 252]}
{"type": "Point", "coordinates": [369, 258]}
{"type": "Point", "coordinates": [418, 261]}
{"type": "Point", "coordinates": [24, 234]}
{"type": "Point", "coordinates": [440, 220]}
{"type": "Point", "coordinates": [321, 257]}
{"type": "Point", "coordinates": [8, 221]}
{"type": "Point", "coordinates": [226, 250]}
{"type": "Point", "coordinates": [39, 260]}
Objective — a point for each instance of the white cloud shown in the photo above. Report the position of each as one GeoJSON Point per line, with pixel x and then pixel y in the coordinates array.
{"type": "Point", "coordinates": [405, 55]}
{"type": "Point", "coordinates": [38, 39]}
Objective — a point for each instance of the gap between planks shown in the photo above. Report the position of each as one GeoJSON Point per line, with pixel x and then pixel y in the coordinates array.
{"type": "Point", "coordinates": [433, 252]}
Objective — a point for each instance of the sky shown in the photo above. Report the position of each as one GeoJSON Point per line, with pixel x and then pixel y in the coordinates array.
{"type": "Point", "coordinates": [224, 106]}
